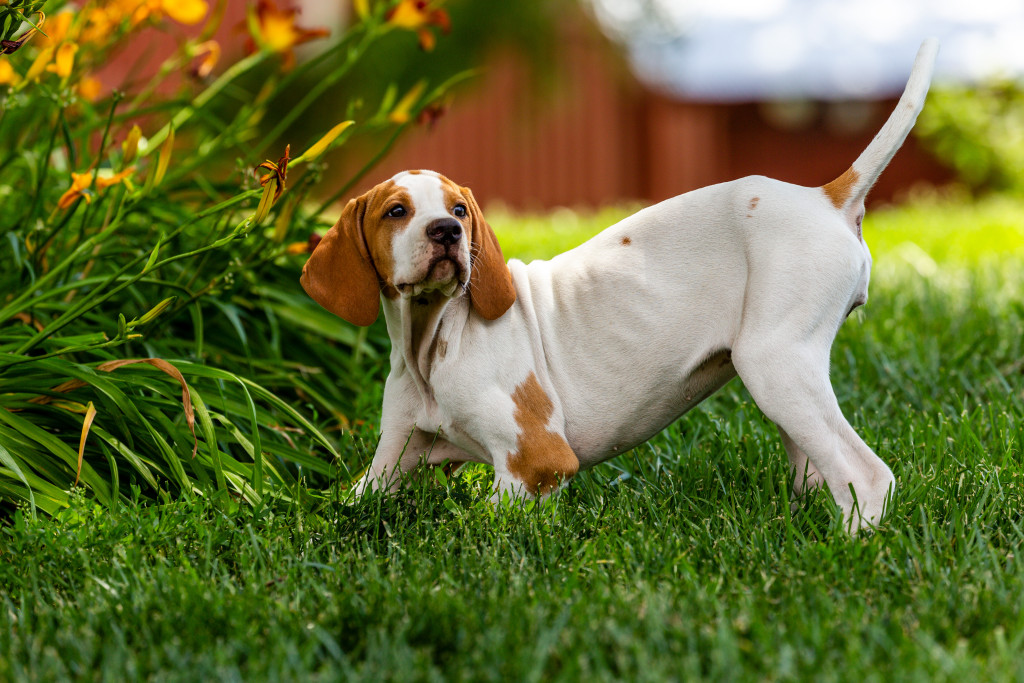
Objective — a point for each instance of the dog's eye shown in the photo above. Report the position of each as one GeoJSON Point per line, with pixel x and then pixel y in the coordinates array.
{"type": "Point", "coordinates": [397, 211]}
{"type": "Point", "coordinates": [459, 211]}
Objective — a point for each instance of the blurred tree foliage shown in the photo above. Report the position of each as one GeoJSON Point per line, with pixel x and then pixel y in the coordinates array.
{"type": "Point", "coordinates": [478, 29]}
{"type": "Point", "coordinates": [979, 131]}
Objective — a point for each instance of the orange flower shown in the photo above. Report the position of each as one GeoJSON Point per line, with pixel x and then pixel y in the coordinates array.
{"type": "Point", "coordinates": [59, 44]}
{"type": "Point", "coordinates": [57, 29]}
{"type": "Point", "coordinates": [189, 12]}
{"type": "Point", "coordinates": [211, 50]}
{"type": "Point", "coordinates": [419, 15]}
{"type": "Point", "coordinates": [276, 30]}
{"type": "Point", "coordinates": [306, 247]}
{"type": "Point", "coordinates": [80, 184]}
{"type": "Point", "coordinates": [403, 110]}
{"type": "Point", "coordinates": [105, 180]}
{"type": "Point", "coordinates": [100, 23]}
{"type": "Point", "coordinates": [114, 12]}
{"type": "Point", "coordinates": [278, 171]}
{"type": "Point", "coordinates": [90, 88]}
{"type": "Point", "coordinates": [64, 61]}
{"type": "Point", "coordinates": [8, 76]}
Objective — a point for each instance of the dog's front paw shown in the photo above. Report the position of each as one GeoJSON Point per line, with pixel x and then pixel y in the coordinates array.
{"type": "Point", "coordinates": [385, 482]}
{"type": "Point", "coordinates": [865, 505]}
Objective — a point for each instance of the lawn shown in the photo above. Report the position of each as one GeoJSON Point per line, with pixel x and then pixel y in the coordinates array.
{"type": "Point", "coordinates": [682, 559]}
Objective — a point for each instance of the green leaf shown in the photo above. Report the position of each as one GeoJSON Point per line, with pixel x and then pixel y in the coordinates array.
{"type": "Point", "coordinates": [7, 459]}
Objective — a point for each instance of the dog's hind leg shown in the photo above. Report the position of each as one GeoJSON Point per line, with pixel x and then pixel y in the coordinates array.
{"type": "Point", "coordinates": [789, 382]}
{"type": "Point", "coordinates": [805, 475]}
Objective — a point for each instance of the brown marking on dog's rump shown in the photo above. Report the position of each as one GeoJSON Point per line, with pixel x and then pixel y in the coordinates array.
{"type": "Point", "coordinates": [626, 241]}
{"type": "Point", "coordinates": [414, 172]}
{"type": "Point", "coordinates": [838, 191]}
{"type": "Point", "coordinates": [543, 458]}
{"type": "Point", "coordinates": [753, 203]}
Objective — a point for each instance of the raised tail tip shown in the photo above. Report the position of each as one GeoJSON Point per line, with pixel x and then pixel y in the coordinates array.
{"type": "Point", "coordinates": [852, 186]}
{"type": "Point", "coordinates": [929, 49]}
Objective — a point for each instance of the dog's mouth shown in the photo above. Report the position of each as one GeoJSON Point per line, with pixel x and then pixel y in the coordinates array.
{"type": "Point", "coordinates": [443, 270]}
{"type": "Point", "coordinates": [444, 274]}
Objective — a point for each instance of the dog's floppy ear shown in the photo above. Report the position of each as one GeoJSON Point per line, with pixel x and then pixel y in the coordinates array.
{"type": "Point", "coordinates": [490, 283]}
{"type": "Point", "coordinates": [340, 275]}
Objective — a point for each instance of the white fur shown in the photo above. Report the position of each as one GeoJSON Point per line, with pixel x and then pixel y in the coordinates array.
{"type": "Point", "coordinates": [631, 329]}
{"type": "Point", "coordinates": [411, 249]}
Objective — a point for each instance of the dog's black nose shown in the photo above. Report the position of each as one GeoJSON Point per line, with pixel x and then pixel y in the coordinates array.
{"type": "Point", "coordinates": [446, 231]}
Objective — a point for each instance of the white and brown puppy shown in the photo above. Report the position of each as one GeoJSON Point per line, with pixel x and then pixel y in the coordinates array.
{"type": "Point", "coordinates": [543, 369]}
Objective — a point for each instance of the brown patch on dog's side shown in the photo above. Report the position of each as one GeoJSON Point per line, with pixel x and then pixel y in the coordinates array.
{"type": "Point", "coordinates": [543, 459]}
{"type": "Point", "coordinates": [626, 241]}
{"type": "Point", "coordinates": [838, 191]}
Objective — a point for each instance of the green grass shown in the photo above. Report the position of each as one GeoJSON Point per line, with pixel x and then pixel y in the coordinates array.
{"type": "Point", "coordinates": [679, 560]}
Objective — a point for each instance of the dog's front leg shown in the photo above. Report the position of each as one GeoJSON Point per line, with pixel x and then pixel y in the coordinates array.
{"type": "Point", "coordinates": [532, 458]}
{"type": "Point", "coordinates": [398, 452]}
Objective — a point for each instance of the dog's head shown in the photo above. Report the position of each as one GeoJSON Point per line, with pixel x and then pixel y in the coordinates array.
{"type": "Point", "coordinates": [417, 232]}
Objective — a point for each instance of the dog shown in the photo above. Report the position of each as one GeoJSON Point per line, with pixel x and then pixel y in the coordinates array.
{"type": "Point", "coordinates": [547, 368]}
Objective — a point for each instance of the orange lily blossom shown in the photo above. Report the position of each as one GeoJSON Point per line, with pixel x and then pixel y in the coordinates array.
{"type": "Point", "coordinates": [185, 11]}
{"type": "Point", "coordinates": [90, 88]}
{"type": "Point", "coordinates": [210, 53]}
{"type": "Point", "coordinates": [278, 171]}
{"type": "Point", "coordinates": [81, 182]}
{"type": "Point", "coordinates": [279, 33]}
{"type": "Point", "coordinates": [182, 11]}
{"type": "Point", "coordinates": [419, 15]}
{"type": "Point", "coordinates": [57, 29]}
{"type": "Point", "coordinates": [103, 181]}
{"type": "Point", "coordinates": [58, 42]}
{"type": "Point", "coordinates": [8, 76]}
{"type": "Point", "coordinates": [64, 61]}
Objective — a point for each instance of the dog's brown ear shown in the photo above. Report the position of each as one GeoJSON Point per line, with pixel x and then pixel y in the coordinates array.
{"type": "Point", "coordinates": [340, 275]}
{"type": "Point", "coordinates": [490, 283]}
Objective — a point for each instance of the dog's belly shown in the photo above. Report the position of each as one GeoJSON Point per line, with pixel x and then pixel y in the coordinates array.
{"type": "Point", "coordinates": [636, 324]}
{"type": "Point", "coordinates": [662, 404]}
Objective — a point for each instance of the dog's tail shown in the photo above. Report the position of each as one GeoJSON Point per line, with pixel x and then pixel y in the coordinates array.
{"type": "Point", "coordinates": [848, 191]}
